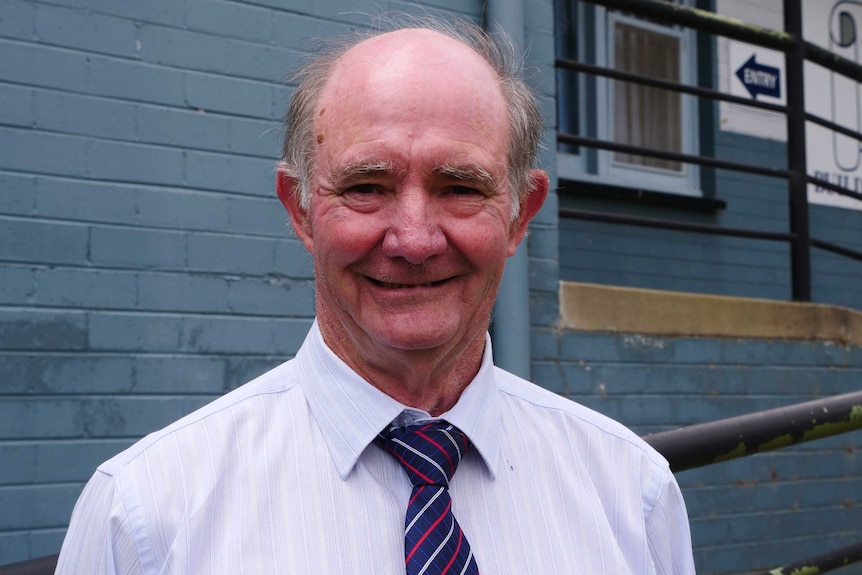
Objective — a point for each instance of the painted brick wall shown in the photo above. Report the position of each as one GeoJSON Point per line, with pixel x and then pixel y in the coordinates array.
{"type": "Point", "coordinates": [746, 515]}
{"type": "Point", "coordinates": [145, 263]}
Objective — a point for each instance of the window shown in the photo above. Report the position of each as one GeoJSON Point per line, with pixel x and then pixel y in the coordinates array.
{"type": "Point", "coordinates": [625, 112]}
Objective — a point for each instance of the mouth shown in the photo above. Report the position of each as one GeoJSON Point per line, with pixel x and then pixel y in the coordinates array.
{"type": "Point", "coordinates": [393, 285]}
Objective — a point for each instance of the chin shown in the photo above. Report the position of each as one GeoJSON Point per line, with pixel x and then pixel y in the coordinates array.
{"type": "Point", "coordinates": [412, 338]}
{"type": "Point", "coordinates": [413, 342]}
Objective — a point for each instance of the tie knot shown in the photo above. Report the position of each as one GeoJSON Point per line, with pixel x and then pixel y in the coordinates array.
{"type": "Point", "coordinates": [429, 452]}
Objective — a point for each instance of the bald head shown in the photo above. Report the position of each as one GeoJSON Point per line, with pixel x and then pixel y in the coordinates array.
{"type": "Point", "coordinates": [411, 77]}
{"type": "Point", "coordinates": [410, 60]}
{"type": "Point", "coordinates": [418, 58]}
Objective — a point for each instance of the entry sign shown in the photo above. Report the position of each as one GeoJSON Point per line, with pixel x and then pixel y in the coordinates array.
{"type": "Point", "coordinates": [760, 78]}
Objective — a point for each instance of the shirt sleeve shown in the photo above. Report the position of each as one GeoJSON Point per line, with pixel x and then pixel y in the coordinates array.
{"type": "Point", "coordinates": [99, 540]}
{"type": "Point", "coordinates": [668, 534]}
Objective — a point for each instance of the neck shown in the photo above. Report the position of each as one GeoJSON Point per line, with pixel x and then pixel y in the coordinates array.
{"type": "Point", "coordinates": [431, 380]}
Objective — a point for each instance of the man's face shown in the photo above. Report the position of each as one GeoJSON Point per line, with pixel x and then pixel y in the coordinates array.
{"type": "Point", "coordinates": [409, 223]}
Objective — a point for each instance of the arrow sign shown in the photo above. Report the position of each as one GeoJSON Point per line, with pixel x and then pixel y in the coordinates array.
{"type": "Point", "coordinates": [760, 79]}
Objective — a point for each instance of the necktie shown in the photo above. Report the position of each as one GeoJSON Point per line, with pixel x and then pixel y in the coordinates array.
{"type": "Point", "coordinates": [433, 541]}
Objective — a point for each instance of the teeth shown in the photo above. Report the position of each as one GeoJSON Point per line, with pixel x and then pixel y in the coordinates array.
{"type": "Point", "coordinates": [389, 285]}
{"type": "Point", "coordinates": [402, 286]}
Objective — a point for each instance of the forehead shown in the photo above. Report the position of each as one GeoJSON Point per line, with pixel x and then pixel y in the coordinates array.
{"type": "Point", "coordinates": [413, 51]}
{"type": "Point", "coordinates": [412, 86]}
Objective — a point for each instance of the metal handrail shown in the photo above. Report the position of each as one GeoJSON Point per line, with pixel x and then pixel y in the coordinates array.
{"type": "Point", "coordinates": [40, 566]}
{"type": "Point", "coordinates": [673, 225]}
{"type": "Point", "coordinates": [567, 138]}
{"type": "Point", "coordinates": [822, 563]}
{"type": "Point", "coordinates": [726, 439]}
{"type": "Point", "coordinates": [575, 66]}
{"type": "Point", "coordinates": [706, 21]}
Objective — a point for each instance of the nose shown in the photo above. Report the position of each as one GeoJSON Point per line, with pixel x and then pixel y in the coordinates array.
{"type": "Point", "coordinates": [414, 232]}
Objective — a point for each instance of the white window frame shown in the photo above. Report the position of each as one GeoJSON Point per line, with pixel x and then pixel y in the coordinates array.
{"type": "Point", "coordinates": [606, 169]}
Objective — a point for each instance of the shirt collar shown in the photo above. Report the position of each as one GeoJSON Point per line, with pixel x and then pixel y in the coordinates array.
{"type": "Point", "coordinates": [351, 412]}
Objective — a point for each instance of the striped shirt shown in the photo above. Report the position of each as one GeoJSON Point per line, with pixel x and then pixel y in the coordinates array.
{"type": "Point", "coordinates": [282, 476]}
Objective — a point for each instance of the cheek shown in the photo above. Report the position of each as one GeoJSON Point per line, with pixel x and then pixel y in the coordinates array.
{"type": "Point", "coordinates": [485, 246]}
{"type": "Point", "coordinates": [341, 240]}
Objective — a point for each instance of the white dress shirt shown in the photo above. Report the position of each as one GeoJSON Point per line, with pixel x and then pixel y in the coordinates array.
{"type": "Point", "coordinates": [282, 476]}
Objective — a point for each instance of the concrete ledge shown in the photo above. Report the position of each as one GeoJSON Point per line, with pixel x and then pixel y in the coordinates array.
{"type": "Point", "coordinates": [592, 307]}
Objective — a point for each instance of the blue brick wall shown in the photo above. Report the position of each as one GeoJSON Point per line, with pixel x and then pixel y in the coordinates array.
{"type": "Point", "coordinates": [146, 268]}
{"type": "Point", "coordinates": [746, 515]}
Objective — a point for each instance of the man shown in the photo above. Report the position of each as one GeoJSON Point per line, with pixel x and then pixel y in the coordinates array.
{"type": "Point", "coordinates": [407, 174]}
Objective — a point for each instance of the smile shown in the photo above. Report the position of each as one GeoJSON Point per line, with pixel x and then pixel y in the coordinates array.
{"type": "Point", "coordinates": [391, 285]}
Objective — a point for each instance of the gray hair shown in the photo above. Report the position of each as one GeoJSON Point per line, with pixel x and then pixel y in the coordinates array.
{"type": "Point", "coordinates": [525, 120]}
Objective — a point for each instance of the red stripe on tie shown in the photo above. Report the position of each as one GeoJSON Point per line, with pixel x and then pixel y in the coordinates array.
{"type": "Point", "coordinates": [404, 463]}
{"type": "Point", "coordinates": [428, 532]}
{"type": "Point", "coordinates": [415, 495]}
{"type": "Point", "coordinates": [440, 447]}
{"type": "Point", "coordinates": [455, 554]}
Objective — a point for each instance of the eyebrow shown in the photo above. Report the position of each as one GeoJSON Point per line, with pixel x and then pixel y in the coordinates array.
{"type": "Point", "coordinates": [357, 169]}
{"type": "Point", "coordinates": [470, 173]}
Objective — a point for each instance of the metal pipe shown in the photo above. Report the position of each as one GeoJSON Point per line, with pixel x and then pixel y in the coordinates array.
{"type": "Point", "coordinates": [576, 66]}
{"type": "Point", "coordinates": [712, 23]}
{"type": "Point", "coordinates": [39, 566]}
{"type": "Point", "coordinates": [662, 224]}
{"type": "Point", "coordinates": [822, 563]}
{"type": "Point", "coordinates": [797, 185]}
{"type": "Point", "coordinates": [726, 439]}
{"type": "Point", "coordinates": [671, 13]}
{"type": "Point", "coordinates": [836, 249]}
{"type": "Point", "coordinates": [677, 157]}
{"type": "Point", "coordinates": [510, 329]}
{"type": "Point", "coordinates": [834, 187]}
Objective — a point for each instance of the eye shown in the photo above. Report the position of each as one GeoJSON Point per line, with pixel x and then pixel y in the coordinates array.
{"type": "Point", "coordinates": [362, 189]}
{"type": "Point", "coordinates": [364, 197]}
{"type": "Point", "coordinates": [464, 191]}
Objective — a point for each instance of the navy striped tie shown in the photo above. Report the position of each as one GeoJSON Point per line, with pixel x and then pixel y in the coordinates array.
{"type": "Point", "coordinates": [433, 541]}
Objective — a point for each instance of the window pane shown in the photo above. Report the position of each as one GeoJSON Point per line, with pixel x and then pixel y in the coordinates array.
{"type": "Point", "coordinates": [645, 116]}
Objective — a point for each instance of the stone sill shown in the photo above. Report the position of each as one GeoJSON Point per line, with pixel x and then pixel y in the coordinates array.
{"type": "Point", "coordinates": [614, 309]}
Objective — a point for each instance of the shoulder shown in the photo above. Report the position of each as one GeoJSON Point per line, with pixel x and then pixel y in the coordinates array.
{"type": "Point", "coordinates": [234, 407]}
{"type": "Point", "coordinates": [570, 421]}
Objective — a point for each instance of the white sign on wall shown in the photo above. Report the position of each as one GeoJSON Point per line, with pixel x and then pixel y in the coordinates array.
{"type": "Point", "coordinates": [836, 158]}
{"type": "Point", "coordinates": [756, 73]}
{"type": "Point", "coordinates": [748, 71]}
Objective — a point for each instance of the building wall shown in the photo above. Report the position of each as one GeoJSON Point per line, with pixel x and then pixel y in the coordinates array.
{"type": "Point", "coordinates": [146, 267]}
{"type": "Point", "coordinates": [747, 515]}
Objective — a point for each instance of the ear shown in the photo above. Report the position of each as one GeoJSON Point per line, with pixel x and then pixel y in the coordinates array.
{"type": "Point", "coordinates": [531, 203]}
{"type": "Point", "coordinates": [287, 188]}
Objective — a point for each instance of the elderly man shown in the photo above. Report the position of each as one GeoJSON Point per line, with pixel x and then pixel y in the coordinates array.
{"type": "Point", "coordinates": [407, 174]}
